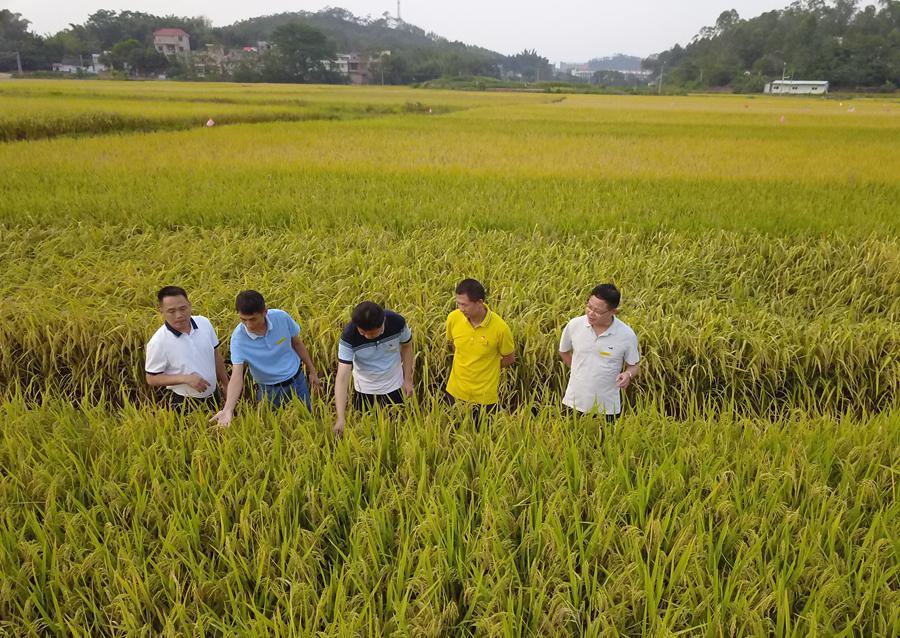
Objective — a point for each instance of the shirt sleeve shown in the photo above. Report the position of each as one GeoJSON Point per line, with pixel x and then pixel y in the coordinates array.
{"type": "Point", "coordinates": [237, 354]}
{"type": "Point", "coordinates": [293, 326]}
{"type": "Point", "coordinates": [155, 362]}
{"type": "Point", "coordinates": [632, 355]}
{"type": "Point", "coordinates": [565, 342]}
{"type": "Point", "coordinates": [405, 334]}
{"type": "Point", "coordinates": [507, 345]}
{"type": "Point", "coordinates": [345, 352]}
{"type": "Point", "coordinates": [213, 337]}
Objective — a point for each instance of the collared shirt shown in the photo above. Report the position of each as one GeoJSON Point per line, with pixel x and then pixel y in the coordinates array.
{"type": "Point", "coordinates": [377, 368]}
{"type": "Point", "coordinates": [172, 352]}
{"type": "Point", "coordinates": [596, 362]}
{"type": "Point", "coordinates": [475, 374]}
{"type": "Point", "coordinates": [270, 357]}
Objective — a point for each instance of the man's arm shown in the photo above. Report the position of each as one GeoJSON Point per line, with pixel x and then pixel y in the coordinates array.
{"type": "Point", "coordinates": [221, 374]}
{"type": "Point", "coordinates": [194, 380]}
{"type": "Point", "coordinates": [406, 357]}
{"type": "Point", "coordinates": [625, 378]}
{"type": "Point", "coordinates": [156, 360]}
{"type": "Point", "coordinates": [341, 392]}
{"type": "Point", "coordinates": [565, 347]}
{"type": "Point", "coordinates": [303, 353]}
{"type": "Point", "coordinates": [631, 369]}
{"type": "Point", "coordinates": [235, 386]}
{"type": "Point", "coordinates": [507, 343]}
{"type": "Point", "coordinates": [449, 333]}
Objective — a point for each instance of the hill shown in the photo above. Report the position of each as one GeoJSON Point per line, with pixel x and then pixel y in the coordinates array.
{"type": "Point", "coordinates": [836, 41]}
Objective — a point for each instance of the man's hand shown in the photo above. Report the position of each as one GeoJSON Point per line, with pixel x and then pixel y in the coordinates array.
{"type": "Point", "coordinates": [408, 388]}
{"type": "Point", "coordinates": [623, 380]}
{"type": "Point", "coordinates": [197, 382]}
{"type": "Point", "coordinates": [338, 428]}
{"type": "Point", "coordinates": [314, 383]}
{"type": "Point", "coordinates": [222, 418]}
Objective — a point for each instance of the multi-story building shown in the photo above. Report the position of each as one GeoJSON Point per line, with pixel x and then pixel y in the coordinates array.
{"type": "Point", "coordinates": [172, 42]}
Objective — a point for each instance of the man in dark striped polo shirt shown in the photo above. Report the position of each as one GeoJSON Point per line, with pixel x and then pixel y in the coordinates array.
{"type": "Point", "coordinates": [376, 349]}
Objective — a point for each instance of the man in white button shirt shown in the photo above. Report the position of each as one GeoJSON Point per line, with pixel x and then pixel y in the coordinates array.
{"type": "Point", "coordinates": [182, 355]}
{"type": "Point", "coordinates": [596, 347]}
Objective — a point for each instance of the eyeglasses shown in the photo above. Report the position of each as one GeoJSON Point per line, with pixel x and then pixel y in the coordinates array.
{"type": "Point", "coordinates": [594, 311]}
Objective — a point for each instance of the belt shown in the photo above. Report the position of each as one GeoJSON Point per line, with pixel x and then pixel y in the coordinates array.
{"type": "Point", "coordinates": [286, 382]}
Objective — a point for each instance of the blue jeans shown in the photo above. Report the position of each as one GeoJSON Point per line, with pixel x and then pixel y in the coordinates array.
{"type": "Point", "coordinates": [281, 395]}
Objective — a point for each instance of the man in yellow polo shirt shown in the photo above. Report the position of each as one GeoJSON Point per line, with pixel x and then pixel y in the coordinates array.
{"type": "Point", "coordinates": [482, 343]}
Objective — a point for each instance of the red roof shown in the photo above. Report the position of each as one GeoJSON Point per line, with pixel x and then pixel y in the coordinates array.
{"type": "Point", "coordinates": [175, 32]}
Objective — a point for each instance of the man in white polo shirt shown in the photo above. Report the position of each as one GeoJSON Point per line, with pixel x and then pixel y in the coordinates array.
{"type": "Point", "coordinates": [182, 355]}
{"type": "Point", "coordinates": [596, 347]}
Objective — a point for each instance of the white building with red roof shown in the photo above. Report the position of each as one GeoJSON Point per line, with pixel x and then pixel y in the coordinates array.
{"type": "Point", "coordinates": [172, 42]}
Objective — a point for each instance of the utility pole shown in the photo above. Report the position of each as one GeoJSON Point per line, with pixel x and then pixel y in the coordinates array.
{"type": "Point", "coordinates": [9, 54]}
{"type": "Point", "coordinates": [399, 19]}
{"type": "Point", "coordinates": [662, 70]}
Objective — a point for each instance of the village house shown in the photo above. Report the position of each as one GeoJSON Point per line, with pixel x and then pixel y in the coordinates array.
{"type": "Point", "coordinates": [350, 65]}
{"type": "Point", "coordinates": [80, 64]}
{"type": "Point", "coordinates": [172, 42]}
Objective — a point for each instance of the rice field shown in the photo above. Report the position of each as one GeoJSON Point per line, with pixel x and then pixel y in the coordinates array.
{"type": "Point", "coordinates": [751, 488]}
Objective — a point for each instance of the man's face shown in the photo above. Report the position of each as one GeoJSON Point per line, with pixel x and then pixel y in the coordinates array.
{"type": "Point", "coordinates": [176, 311]}
{"type": "Point", "coordinates": [374, 333]}
{"type": "Point", "coordinates": [598, 312]}
{"type": "Point", "coordinates": [470, 309]}
{"type": "Point", "coordinates": [256, 322]}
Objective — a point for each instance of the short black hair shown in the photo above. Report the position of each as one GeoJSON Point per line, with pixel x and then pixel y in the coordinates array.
{"type": "Point", "coordinates": [249, 302]}
{"type": "Point", "coordinates": [608, 293]}
{"type": "Point", "coordinates": [368, 315]}
{"type": "Point", "coordinates": [170, 291]}
{"type": "Point", "coordinates": [472, 289]}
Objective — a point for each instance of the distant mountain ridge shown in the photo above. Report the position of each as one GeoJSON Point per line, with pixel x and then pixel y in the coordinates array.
{"type": "Point", "coordinates": [351, 33]}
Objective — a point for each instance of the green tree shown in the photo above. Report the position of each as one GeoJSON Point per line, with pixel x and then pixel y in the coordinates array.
{"type": "Point", "coordinates": [15, 36]}
{"type": "Point", "coordinates": [301, 53]}
{"type": "Point", "coordinates": [532, 66]}
{"type": "Point", "coordinates": [132, 56]}
{"type": "Point", "coordinates": [119, 56]}
{"type": "Point", "coordinates": [830, 40]}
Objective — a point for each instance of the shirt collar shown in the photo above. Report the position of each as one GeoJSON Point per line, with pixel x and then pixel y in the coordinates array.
{"type": "Point", "coordinates": [178, 333]}
{"type": "Point", "coordinates": [609, 331]}
{"type": "Point", "coordinates": [256, 336]}
{"type": "Point", "coordinates": [487, 317]}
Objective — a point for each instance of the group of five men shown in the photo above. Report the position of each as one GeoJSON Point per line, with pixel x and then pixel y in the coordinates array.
{"type": "Point", "coordinates": [376, 350]}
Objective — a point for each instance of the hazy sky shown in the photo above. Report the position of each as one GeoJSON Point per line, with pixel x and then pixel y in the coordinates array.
{"type": "Point", "coordinates": [567, 30]}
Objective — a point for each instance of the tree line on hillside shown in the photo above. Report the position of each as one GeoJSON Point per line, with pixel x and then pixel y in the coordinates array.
{"type": "Point", "coordinates": [398, 52]}
{"type": "Point", "coordinates": [837, 41]}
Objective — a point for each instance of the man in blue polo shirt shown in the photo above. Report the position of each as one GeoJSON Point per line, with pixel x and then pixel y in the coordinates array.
{"type": "Point", "coordinates": [268, 342]}
{"type": "Point", "coordinates": [376, 348]}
